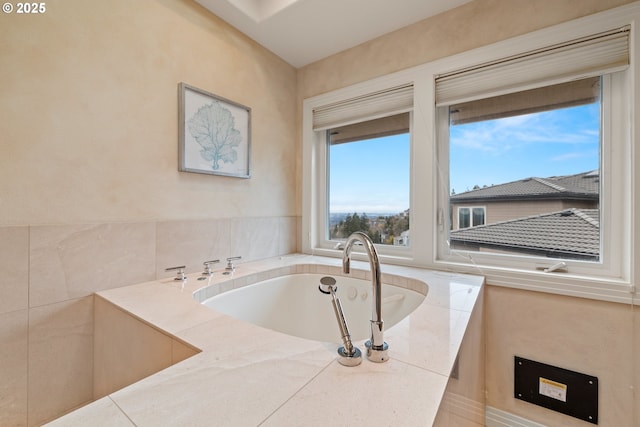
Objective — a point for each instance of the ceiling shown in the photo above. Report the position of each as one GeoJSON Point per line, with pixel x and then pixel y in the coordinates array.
{"type": "Point", "coordinates": [304, 31]}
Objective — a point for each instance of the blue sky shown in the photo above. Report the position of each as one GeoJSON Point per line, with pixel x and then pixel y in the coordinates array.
{"type": "Point", "coordinates": [373, 175]}
{"type": "Point", "coordinates": [558, 142]}
{"type": "Point", "coordinates": [370, 176]}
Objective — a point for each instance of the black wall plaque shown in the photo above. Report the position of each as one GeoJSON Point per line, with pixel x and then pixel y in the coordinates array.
{"type": "Point", "coordinates": [561, 390]}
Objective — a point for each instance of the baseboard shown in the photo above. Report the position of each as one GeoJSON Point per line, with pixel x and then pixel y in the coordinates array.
{"type": "Point", "coordinates": [497, 418]}
{"type": "Point", "coordinates": [468, 409]}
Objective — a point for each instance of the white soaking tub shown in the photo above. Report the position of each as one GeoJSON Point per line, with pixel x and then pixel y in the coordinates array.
{"type": "Point", "coordinates": [293, 304]}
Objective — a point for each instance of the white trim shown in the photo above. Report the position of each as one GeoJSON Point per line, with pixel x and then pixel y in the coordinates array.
{"type": "Point", "coordinates": [314, 153]}
{"type": "Point", "coordinates": [471, 208]}
{"type": "Point", "coordinates": [497, 418]}
{"type": "Point", "coordinates": [464, 407]}
{"type": "Point", "coordinates": [603, 289]}
{"type": "Point", "coordinates": [612, 196]}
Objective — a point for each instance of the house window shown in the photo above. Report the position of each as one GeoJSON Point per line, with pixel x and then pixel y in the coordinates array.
{"type": "Point", "coordinates": [470, 217]}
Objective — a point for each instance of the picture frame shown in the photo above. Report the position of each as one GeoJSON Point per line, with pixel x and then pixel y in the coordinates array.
{"type": "Point", "coordinates": [214, 134]}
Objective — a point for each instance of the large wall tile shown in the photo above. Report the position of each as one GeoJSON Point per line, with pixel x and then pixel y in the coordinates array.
{"type": "Point", "coordinates": [14, 268]}
{"type": "Point", "coordinates": [60, 358]}
{"type": "Point", "coordinates": [73, 261]}
{"type": "Point", "coordinates": [126, 349]}
{"type": "Point", "coordinates": [191, 243]}
{"type": "Point", "coordinates": [288, 235]}
{"type": "Point", "coordinates": [255, 238]}
{"type": "Point", "coordinates": [13, 368]}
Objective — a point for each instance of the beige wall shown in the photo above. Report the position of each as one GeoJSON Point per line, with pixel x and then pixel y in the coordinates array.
{"type": "Point", "coordinates": [594, 337]}
{"type": "Point", "coordinates": [478, 23]}
{"type": "Point", "coordinates": [89, 114]}
{"type": "Point", "coordinates": [90, 194]}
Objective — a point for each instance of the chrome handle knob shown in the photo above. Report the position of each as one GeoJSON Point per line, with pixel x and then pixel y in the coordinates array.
{"type": "Point", "coordinates": [179, 272]}
{"type": "Point", "coordinates": [230, 260]}
{"type": "Point", "coordinates": [207, 267]}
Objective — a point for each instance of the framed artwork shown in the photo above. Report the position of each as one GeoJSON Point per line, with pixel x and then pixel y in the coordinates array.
{"type": "Point", "coordinates": [214, 134]}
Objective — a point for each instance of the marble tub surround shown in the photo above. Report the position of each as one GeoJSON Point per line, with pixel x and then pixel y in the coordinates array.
{"type": "Point", "coordinates": [50, 273]}
{"type": "Point", "coordinates": [73, 261]}
{"type": "Point", "coordinates": [14, 367]}
{"type": "Point", "coordinates": [127, 349]}
{"type": "Point", "coordinates": [60, 357]}
{"type": "Point", "coordinates": [247, 375]}
{"type": "Point", "coordinates": [14, 265]}
{"type": "Point", "coordinates": [191, 243]}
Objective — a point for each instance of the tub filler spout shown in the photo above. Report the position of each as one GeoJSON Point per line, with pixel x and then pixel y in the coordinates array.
{"type": "Point", "coordinates": [376, 347]}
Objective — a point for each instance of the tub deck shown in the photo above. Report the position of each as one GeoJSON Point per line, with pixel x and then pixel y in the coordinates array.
{"type": "Point", "coordinates": [246, 375]}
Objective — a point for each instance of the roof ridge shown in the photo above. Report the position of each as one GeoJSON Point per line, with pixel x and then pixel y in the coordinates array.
{"type": "Point", "coordinates": [585, 217]}
{"type": "Point", "coordinates": [550, 184]}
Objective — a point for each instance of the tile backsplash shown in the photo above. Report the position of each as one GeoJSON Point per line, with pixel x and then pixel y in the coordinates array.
{"type": "Point", "coordinates": [14, 265]}
{"type": "Point", "coordinates": [74, 261]}
{"type": "Point", "coordinates": [50, 272]}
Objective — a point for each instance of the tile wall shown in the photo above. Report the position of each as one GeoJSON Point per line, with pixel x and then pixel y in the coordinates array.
{"type": "Point", "coordinates": [49, 275]}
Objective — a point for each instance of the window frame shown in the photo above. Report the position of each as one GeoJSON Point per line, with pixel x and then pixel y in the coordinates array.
{"type": "Point", "coordinates": [471, 222]}
{"type": "Point", "coordinates": [611, 280]}
{"type": "Point", "coordinates": [316, 232]}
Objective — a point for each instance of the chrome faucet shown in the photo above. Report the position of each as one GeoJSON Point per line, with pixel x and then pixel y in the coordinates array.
{"type": "Point", "coordinates": [376, 347]}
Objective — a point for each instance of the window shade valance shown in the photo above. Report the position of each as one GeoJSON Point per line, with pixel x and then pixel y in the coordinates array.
{"type": "Point", "coordinates": [370, 129]}
{"type": "Point", "coordinates": [563, 95]}
{"type": "Point", "coordinates": [383, 103]}
{"type": "Point", "coordinates": [585, 57]}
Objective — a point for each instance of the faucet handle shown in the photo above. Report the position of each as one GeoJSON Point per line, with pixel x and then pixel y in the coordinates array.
{"type": "Point", "coordinates": [207, 267]}
{"type": "Point", "coordinates": [230, 266]}
{"type": "Point", "coordinates": [179, 272]}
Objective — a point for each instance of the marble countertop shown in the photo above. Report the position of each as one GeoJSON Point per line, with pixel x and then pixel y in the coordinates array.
{"type": "Point", "coordinates": [246, 375]}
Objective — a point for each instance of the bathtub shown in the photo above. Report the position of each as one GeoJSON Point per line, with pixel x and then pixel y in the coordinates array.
{"type": "Point", "coordinates": [292, 304]}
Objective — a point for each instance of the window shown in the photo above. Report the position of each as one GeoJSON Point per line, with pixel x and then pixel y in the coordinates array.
{"type": "Point", "coordinates": [533, 158]}
{"type": "Point", "coordinates": [470, 217]}
{"type": "Point", "coordinates": [470, 136]}
{"type": "Point", "coordinates": [529, 137]}
{"type": "Point", "coordinates": [361, 148]}
{"type": "Point", "coordinates": [368, 169]}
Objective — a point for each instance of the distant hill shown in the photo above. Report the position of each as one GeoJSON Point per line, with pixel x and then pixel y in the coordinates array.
{"type": "Point", "coordinates": [336, 217]}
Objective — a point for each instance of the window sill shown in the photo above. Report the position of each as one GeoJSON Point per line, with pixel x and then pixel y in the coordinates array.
{"type": "Point", "coordinates": [559, 283]}
{"type": "Point", "coordinates": [616, 290]}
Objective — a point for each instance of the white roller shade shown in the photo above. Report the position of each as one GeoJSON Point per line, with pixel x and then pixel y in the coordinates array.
{"type": "Point", "coordinates": [375, 105]}
{"type": "Point", "coordinates": [586, 57]}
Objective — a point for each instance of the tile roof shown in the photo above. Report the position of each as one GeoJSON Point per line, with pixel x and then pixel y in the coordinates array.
{"type": "Point", "coordinates": [569, 232]}
{"type": "Point", "coordinates": [584, 185]}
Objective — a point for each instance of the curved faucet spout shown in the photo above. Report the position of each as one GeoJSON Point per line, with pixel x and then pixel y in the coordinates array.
{"type": "Point", "coordinates": [376, 347]}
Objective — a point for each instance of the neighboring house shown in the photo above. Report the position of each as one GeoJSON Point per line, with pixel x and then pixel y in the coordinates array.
{"type": "Point", "coordinates": [403, 239]}
{"type": "Point", "coordinates": [569, 234]}
{"type": "Point", "coordinates": [524, 198]}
